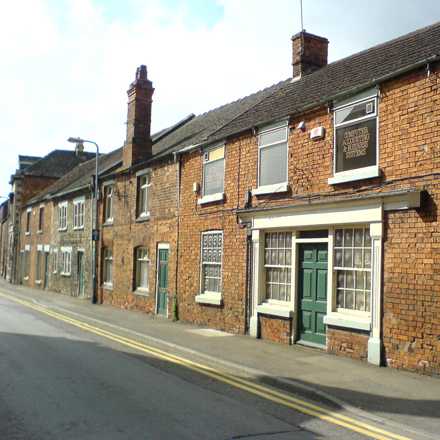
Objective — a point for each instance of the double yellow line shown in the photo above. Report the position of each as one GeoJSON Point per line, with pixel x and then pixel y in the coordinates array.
{"type": "Point", "coordinates": [243, 384]}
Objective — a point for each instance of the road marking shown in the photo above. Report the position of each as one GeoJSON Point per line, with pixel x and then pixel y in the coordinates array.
{"type": "Point", "coordinates": [246, 385]}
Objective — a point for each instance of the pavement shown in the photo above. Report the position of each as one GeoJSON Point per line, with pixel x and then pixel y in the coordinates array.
{"type": "Point", "coordinates": [391, 397]}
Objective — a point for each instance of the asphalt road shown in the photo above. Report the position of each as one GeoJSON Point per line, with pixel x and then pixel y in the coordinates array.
{"type": "Point", "coordinates": [61, 380]}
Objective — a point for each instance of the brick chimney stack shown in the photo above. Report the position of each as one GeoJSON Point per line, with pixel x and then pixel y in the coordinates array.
{"type": "Point", "coordinates": [138, 144]}
{"type": "Point", "coordinates": [309, 53]}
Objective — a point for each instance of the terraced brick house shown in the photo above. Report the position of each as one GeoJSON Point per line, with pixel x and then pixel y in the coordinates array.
{"type": "Point", "coordinates": [33, 176]}
{"type": "Point", "coordinates": [306, 213]}
{"type": "Point", "coordinates": [311, 215]}
{"type": "Point", "coordinates": [56, 232]}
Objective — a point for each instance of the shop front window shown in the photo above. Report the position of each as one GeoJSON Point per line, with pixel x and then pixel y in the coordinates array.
{"type": "Point", "coordinates": [278, 265]}
{"type": "Point", "coordinates": [353, 262]}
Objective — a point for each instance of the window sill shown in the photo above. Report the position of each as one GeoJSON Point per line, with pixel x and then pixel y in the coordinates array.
{"type": "Point", "coordinates": [275, 310]}
{"type": "Point", "coordinates": [345, 320]}
{"type": "Point", "coordinates": [143, 218]}
{"type": "Point", "coordinates": [39, 282]}
{"type": "Point", "coordinates": [142, 292]}
{"type": "Point", "coordinates": [209, 299]}
{"type": "Point", "coordinates": [27, 233]}
{"type": "Point", "coordinates": [211, 198]}
{"type": "Point", "coordinates": [79, 228]}
{"type": "Point", "coordinates": [65, 274]}
{"type": "Point", "coordinates": [62, 229]}
{"type": "Point", "coordinates": [26, 278]}
{"type": "Point", "coordinates": [40, 231]}
{"type": "Point", "coordinates": [108, 223]}
{"type": "Point", "coordinates": [353, 175]}
{"type": "Point", "coordinates": [271, 189]}
{"type": "Point", "coordinates": [107, 286]}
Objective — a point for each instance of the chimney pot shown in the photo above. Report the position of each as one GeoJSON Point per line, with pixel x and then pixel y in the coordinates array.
{"type": "Point", "coordinates": [141, 72]}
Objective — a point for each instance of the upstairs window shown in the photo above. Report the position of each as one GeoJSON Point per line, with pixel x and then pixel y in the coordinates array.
{"type": "Point", "coordinates": [28, 221]}
{"type": "Point", "coordinates": [109, 203]}
{"type": "Point", "coordinates": [272, 159]}
{"type": "Point", "coordinates": [213, 174]}
{"type": "Point", "coordinates": [144, 185]}
{"type": "Point", "coordinates": [78, 213]}
{"type": "Point", "coordinates": [355, 143]}
{"type": "Point", "coordinates": [62, 216]}
{"type": "Point", "coordinates": [41, 219]}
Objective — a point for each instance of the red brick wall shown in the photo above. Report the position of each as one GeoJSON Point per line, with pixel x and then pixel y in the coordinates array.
{"type": "Point", "coordinates": [34, 238]}
{"type": "Point", "coordinates": [126, 234]}
{"type": "Point", "coordinates": [276, 329]}
{"type": "Point", "coordinates": [411, 281]}
{"type": "Point", "coordinates": [352, 343]}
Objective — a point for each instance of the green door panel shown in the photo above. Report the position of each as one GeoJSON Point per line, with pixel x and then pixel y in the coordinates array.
{"type": "Point", "coordinates": [162, 289]}
{"type": "Point", "coordinates": [312, 293]}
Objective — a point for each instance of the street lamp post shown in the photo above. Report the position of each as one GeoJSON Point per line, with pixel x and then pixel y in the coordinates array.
{"type": "Point", "coordinates": [95, 231]}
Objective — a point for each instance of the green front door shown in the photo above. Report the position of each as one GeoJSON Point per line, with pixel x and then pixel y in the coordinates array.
{"type": "Point", "coordinates": [46, 269]}
{"type": "Point", "coordinates": [312, 292]}
{"type": "Point", "coordinates": [81, 274]}
{"type": "Point", "coordinates": [162, 283]}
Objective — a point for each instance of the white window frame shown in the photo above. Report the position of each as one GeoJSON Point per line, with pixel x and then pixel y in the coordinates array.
{"type": "Point", "coordinates": [142, 261]}
{"type": "Point", "coordinates": [211, 253]}
{"type": "Point", "coordinates": [368, 98]}
{"type": "Point", "coordinates": [27, 261]}
{"type": "Point", "coordinates": [78, 213]}
{"type": "Point", "coordinates": [144, 198]}
{"type": "Point", "coordinates": [55, 261]}
{"type": "Point", "coordinates": [264, 144]}
{"type": "Point", "coordinates": [109, 202]}
{"type": "Point", "coordinates": [41, 219]}
{"type": "Point", "coordinates": [28, 221]}
{"type": "Point", "coordinates": [39, 262]}
{"type": "Point", "coordinates": [278, 260]}
{"type": "Point", "coordinates": [62, 216]}
{"type": "Point", "coordinates": [66, 260]}
{"type": "Point", "coordinates": [213, 156]}
{"type": "Point", "coordinates": [107, 273]}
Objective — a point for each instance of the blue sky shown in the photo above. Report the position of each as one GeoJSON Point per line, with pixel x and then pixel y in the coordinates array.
{"type": "Point", "coordinates": [67, 64]}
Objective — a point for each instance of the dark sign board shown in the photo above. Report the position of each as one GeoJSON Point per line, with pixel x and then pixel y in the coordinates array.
{"type": "Point", "coordinates": [214, 177]}
{"type": "Point", "coordinates": [356, 146]}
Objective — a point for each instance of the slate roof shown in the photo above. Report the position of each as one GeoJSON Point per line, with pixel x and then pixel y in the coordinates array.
{"type": "Point", "coordinates": [335, 81]}
{"type": "Point", "coordinates": [56, 164]}
{"type": "Point", "coordinates": [25, 161]}
{"type": "Point", "coordinates": [80, 177]}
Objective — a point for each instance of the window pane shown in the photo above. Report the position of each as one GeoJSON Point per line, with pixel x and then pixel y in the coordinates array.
{"type": "Point", "coordinates": [273, 165]}
{"type": "Point", "coordinates": [353, 252]}
{"type": "Point", "coordinates": [278, 256]}
{"type": "Point", "coordinates": [211, 261]}
{"type": "Point", "coordinates": [273, 137]}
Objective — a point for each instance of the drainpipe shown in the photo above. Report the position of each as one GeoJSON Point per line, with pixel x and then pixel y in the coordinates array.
{"type": "Point", "coordinates": [175, 304]}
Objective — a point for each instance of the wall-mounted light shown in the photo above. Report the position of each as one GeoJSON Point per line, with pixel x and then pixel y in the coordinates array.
{"type": "Point", "coordinates": [301, 125]}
